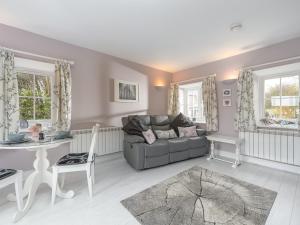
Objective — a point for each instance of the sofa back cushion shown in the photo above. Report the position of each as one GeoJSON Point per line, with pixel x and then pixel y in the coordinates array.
{"type": "Point", "coordinates": [135, 126]}
{"type": "Point", "coordinates": [181, 121]}
{"type": "Point", "coordinates": [161, 127]}
{"type": "Point", "coordinates": [145, 119]}
{"type": "Point", "coordinates": [159, 120]}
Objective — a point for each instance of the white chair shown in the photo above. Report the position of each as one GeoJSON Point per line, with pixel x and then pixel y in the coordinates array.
{"type": "Point", "coordinates": [74, 162]}
{"type": "Point", "coordinates": [10, 176]}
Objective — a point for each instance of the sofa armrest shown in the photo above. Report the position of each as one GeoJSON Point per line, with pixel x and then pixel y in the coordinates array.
{"type": "Point", "coordinates": [133, 138]}
{"type": "Point", "coordinates": [201, 132]}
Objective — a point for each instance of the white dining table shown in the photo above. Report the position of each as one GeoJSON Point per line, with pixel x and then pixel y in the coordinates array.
{"type": "Point", "coordinates": [41, 173]}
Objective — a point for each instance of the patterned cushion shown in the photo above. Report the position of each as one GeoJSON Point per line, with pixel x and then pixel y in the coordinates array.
{"type": "Point", "coordinates": [73, 159]}
{"type": "Point", "coordinates": [187, 131]}
{"type": "Point", "coordinates": [165, 134]}
{"type": "Point", "coordinates": [4, 173]}
{"type": "Point", "coordinates": [149, 136]}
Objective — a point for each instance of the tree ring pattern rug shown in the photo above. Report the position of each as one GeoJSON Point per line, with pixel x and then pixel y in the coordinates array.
{"type": "Point", "coordinates": [201, 197]}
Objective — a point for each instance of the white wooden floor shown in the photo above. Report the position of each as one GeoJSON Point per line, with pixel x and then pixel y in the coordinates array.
{"type": "Point", "coordinates": [116, 180]}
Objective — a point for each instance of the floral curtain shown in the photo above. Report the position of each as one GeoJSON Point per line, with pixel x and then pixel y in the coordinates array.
{"type": "Point", "coordinates": [9, 99]}
{"type": "Point", "coordinates": [61, 96]}
{"type": "Point", "coordinates": [209, 93]}
{"type": "Point", "coordinates": [173, 102]}
{"type": "Point", "coordinates": [245, 115]}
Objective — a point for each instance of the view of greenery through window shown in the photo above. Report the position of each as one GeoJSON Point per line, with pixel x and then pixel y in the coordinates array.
{"type": "Point", "coordinates": [282, 98]}
{"type": "Point", "coordinates": [34, 96]}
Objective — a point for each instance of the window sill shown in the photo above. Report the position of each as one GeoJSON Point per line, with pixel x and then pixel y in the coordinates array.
{"type": "Point", "coordinates": [279, 127]}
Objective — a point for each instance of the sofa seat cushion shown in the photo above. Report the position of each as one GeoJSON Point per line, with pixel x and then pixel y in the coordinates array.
{"type": "Point", "coordinates": [158, 148]}
{"type": "Point", "coordinates": [178, 144]}
{"type": "Point", "coordinates": [197, 142]}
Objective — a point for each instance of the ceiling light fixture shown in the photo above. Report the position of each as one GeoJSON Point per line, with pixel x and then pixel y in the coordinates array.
{"type": "Point", "coordinates": [235, 27]}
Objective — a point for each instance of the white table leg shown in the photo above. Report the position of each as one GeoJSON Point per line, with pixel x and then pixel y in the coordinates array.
{"type": "Point", "coordinates": [212, 151]}
{"type": "Point", "coordinates": [39, 176]}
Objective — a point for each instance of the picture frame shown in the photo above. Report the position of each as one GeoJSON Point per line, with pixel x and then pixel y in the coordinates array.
{"type": "Point", "coordinates": [227, 92]}
{"type": "Point", "coordinates": [227, 102]}
{"type": "Point", "coordinates": [126, 91]}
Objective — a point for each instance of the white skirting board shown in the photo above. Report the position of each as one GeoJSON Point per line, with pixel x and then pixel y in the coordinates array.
{"type": "Point", "coordinates": [262, 162]}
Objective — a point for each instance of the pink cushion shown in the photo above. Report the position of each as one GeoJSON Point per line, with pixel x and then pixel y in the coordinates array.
{"type": "Point", "coordinates": [149, 136]}
{"type": "Point", "coordinates": [187, 131]}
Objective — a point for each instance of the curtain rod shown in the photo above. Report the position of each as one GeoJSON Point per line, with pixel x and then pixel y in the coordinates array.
{"type": "Point", "coordinates": [193, 79]}
{"type": "Point", "coordinates": [271, 63]}
{"type": "Point", "coordinates": [36, 55]}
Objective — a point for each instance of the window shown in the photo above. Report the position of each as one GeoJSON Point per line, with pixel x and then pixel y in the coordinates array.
{"type": "Point", "coordinates": [34, 86]}
{"type": "Point", "coordinates": [34, 96]}
{"type": "Point", "coordinates": [279, 98]}
{"type": "Point", "coordinates": [190, 101]}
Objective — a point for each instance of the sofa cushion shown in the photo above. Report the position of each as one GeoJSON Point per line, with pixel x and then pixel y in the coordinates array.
{"type": "Point", "coordinates": [145, 119]}
{"type": "Point", "coordinates": [165, 134]}
{"type": "Point", "coordinates": [187, 131]}
{"type": "Point", "coordinates": [159, 120]}
{"type": "Point", "coordinates": [149, 136]}
{"type": "Point", "coordinates": [178, 144]}
{"type": "Point", "coordinates": [161, 127]}
{"type": "Point", "coordinates": [201, 132]}
{"type": "Point", "coordinates": [197, 142]}
{"type": "Point", "coordinates": [181, 121]}
{"type": "Point", "coordinates": [134, 127]}
{"type": "Point", "coordinates": [158, 148]}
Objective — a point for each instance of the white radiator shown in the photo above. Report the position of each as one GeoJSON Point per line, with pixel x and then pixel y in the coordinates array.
{"type": "Point", "coordinates": [275, 145]}
{"type": "Point", "coordinates": [110, 140]}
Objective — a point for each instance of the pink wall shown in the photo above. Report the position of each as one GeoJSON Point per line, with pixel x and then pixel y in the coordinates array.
{"type": "Point", "coordinates": [92, 89]}
{"type": "Point", "coordinates": [228, 68]}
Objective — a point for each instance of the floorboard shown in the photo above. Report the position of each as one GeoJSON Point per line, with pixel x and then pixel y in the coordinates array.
{"type": "Point", "coordinates": [116, 180]}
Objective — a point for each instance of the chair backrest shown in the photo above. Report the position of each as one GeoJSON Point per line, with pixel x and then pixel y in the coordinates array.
{"type": "Point", "coordinates": [93, 142]}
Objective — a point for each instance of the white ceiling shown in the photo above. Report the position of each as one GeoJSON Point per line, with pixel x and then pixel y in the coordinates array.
{"type": "Point", "coordinates": [166, 34]}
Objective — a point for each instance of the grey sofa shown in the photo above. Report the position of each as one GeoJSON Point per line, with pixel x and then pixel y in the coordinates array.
{"type": "Point", "coordinates": [141, 155]}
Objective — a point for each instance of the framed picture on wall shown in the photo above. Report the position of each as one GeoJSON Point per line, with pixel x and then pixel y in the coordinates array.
{"type": "Point", "coordinates": [226, 102]}
{"type": "Point", "coordinates": [126, 91]}
{"type": "Point", "coordinates": [226, 92]}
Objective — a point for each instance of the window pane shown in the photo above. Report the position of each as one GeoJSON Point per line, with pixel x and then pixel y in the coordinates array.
{"type": "Point", "coordinates": [26, 108]}
{"type": "Point", "coordinates": [272, 110]}
{"type": "Point", "coordinates": [272, 98]}
{"type": "Point", "coordinates": [193, 108]}
{"type": "Point", "coordinates": [290, 86]}
{"type": "Point", "coordinates": [42, 108]}
{"type": "Point", "coordinates": [290, 97]}
{"type": "Point", "coordinates": [181, 100]}
{"type": "Point", "coordinates": [25, 84]}
{"type": "Point", "coordinates": [42, 86]}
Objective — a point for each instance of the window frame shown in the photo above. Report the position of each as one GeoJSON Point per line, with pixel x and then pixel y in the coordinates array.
{"type": "Point", "coordinates": [261, 90]}
{"type": "Point", "coordinates": [44, 122]}
{"type": "Point", "coordinates": [200, 100]}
